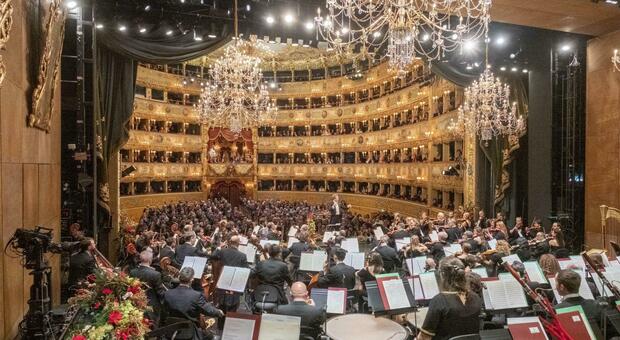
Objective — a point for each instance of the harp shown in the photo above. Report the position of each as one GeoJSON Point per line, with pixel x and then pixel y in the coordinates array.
{"type": "Point", "coordinates": [610, 225]}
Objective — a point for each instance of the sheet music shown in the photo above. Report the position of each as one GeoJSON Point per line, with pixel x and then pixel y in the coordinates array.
{"type": "Point", "coordinates": [504, 294]}
{"type": "Point", "coordinates": [395, 293]}
{"type": "Point", "coordinates": [263, 243]}
{"type": "Point", "coordinates": [355, 260]}
{"type": "Point", "coordinates": [482, 271]}
{"type": "Point", "coordinates": [336, 300]}
{"type": "Point", "coordinates": [452, 249]}
{"type": "Point", "coordinates": [238, 329]}
{"type": "Point", "coordinates": [312, 262]}
{"type": "Point", "coordinates": [233, 278]}
{"type": "Point", "coordinates": [434, 236]}
{"type": "Point", "coordinates": [492, 243]}
{"type": "Point", "coordinates": [402, 242]}
{"type": "Point", "coordinates": [196, 263]}
{"type": "Point", "coordinates": [328, 235]}
{"type": "Point", "coordinates": [293, 231]}
{"type": "Point", "coordinates": [291, 241]}
{"type": "Point", "coordinates": [416, 265]}
{"type": "Point", "coordinates": [249, 250]}
{"type": "Point", "coordinates": [534, 272]}
{"type": "Point", "coordinates": [416, 287]}
{"type": "Point", "coordinates": [279, 327]}
{"type": "Point", "coordinates": [378, 233]}
{"type": "Point", "coordinates": [429, 285]}
{"type": "Point", "coordinates": [350, 245]}
{"type": "Point", "coordinates": [512, 259]}
{"type": "Point", "coordinates": [256, 229]}
{"type": "Point", "coordinates": [613, 277]}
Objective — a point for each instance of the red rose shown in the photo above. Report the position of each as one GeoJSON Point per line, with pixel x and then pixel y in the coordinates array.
{"type": "Point", "coordinates": [133, 289]}
{"type": "Point", "coordinates": [79, 337]}
{"type": "Point", "coordinates": [106, 291]}
{"type": "Point", "coordinates": [115, 317]}
{"type": "Point", "coordinates": [91, 278]}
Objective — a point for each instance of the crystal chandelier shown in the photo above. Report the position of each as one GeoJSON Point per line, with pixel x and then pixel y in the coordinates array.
{"type": "Point", "coordinates": [410, 28]}
{"type": "Point", "coordinates": [487, 110]}
{"type": "Point", "coordinates": [235, 96]}
{"type": "Point", "coordinates": [615, 59]}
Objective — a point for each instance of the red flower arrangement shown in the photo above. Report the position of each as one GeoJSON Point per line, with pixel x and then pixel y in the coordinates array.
{"type": "Point", "coordinates": [78, 337]}
{"type": "Point", "coordinates": [106, 291]}
{"type": "Point", "coordinates": [115, 317]}
{"type": "Point", "coordinates": [134, 289]}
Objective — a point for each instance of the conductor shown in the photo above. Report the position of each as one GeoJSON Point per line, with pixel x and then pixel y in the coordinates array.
{"type": "Point", "coordinates": [336, 210]}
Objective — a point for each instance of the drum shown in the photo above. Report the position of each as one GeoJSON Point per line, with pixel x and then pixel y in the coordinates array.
{"type": "Point", "coordinates": [364, 326]}
{"type": "Point", "coordinates": [418, 316]}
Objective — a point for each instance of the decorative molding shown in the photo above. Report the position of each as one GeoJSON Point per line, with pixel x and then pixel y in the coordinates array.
{"type": "Point", "coordinates": [45, 92]}
{"type": "Point", "coordinates": [163, 171]}
{"type": "Point", "coordinates": [6, 23]}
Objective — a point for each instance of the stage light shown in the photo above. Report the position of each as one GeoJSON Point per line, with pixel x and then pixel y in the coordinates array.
{"type": "Point", "coordinates": [182, 1]}
{"type": "Point", "coordinates": [71, 4]}
{"type": "Point", "coordinates": [212, 36]}
{"type": "Point", "coordinates": [309, 25]}
{"type": "Point", "coordinates": [99, 26]}
{"type": "Point", "coordinates": [376, 34]}
{"type": "Point", "coordinates": [565, 48]}
{"type": "Point", "coordinates": [289, 18]}
{"type": "Point", "coordinates": [169, 32]}
{"type": "Point", "coordinates": [469, 67]}
{"type": "Point", "coordinates": [503, 68]}
{"type": "Point", "coordinates": [197, 37]}
{"type": "Point", "coordinates": [525, 70]}
{"type": "Point", "coordinates": [270, 20]}
{"type": "Point", "coordinates": [147, 8]}
{"type": "Point", "coordinates": [122, 28]}
{"type": "Point", "coordinates": [469, 45]}
{"type": "Point", "coordinates": [514, 69]}
{"type": "Point", "coordinates": [500, 41]}
{"type": "Point", "coordinates": [344, 30]}
{"type": "Point", "coordinates": [425, 37]}
{"type": "Point", "coordinates": [476, 65]}
{"type": "Point", "coordinates": [248, 7]}
{"type": "Point", "coordinates": [512, 55]}
{"type": "Point", "coordinates": [142, 30]}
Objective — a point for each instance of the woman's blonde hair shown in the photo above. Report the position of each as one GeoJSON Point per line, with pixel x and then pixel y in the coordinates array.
{"type": "Point", "coordinates": [503, 247]}
{"type": "Point", "coordinates": [549, 264]}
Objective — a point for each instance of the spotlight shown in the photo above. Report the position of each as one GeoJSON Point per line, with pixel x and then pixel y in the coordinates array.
{"type": "Point", "coordinates": [469, 67]}
{"type": "Point", "coordinates": [248, 7]}
{"type": "Point", "coordinates": [469, 45]}
{"type": "Point", "coordinates": [512, 55]}
{"type": "Point", "coordinates": [99, 26]}
{"type": "Point", "coordinates": [182, 1]}
{"type": "Point", "coordinates": [514, 69]}
{"type": "Point", "coordinates": [142, 30]}
{"type": "Point", "coordinates": [524, 70]}
{"type": "Point", "coordinates": [565, 48]}
{"type": "Point", "coordinates": [122, 28]}
{"type": "Point", "coordinates": [71, 4]}
{"type": "Point", "coordinates": [309, 25]}
{"type": "Point", "coordinates": [503, 68]}
{"type": "Point", "coordinates": [500, 41]}
{"type": "Point", "coordinates": [147, 8]}
{"type": "Point", "coordinates": [270, 20]}
{"type": "Point", "coordinates": [169, 32]}
{"type": "Point", "coordinates": [289, 18]}
{"type": "Point", "coordinates": [212, 36]}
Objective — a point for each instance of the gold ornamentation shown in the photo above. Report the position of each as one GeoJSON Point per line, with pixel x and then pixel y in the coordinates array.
{"type": "Point", "coordinates": [104, 192]}
{"type": "Point", "coordinates": [6, 21]}
{"type": "Point", "coordinates": [44, 94]}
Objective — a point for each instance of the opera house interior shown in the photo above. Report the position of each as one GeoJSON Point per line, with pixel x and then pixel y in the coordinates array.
{"type": "Point", "coordinates": [310, 169]}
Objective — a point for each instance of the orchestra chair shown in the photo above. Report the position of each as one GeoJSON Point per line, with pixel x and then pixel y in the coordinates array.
{"type": "Point", "coordinates": [264, 299]}
{"type": "Point", "coordinates": [305, 332]}
{"type": "Point", "coordinates": [352, 299]}
{"type": "Point", "coordinates": [176, 329]}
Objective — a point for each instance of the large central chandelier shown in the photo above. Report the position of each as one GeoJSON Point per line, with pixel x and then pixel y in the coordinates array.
{"type": "Point", "coordinates": [235, 96]}
{"type": "Point", "coordinates": [615, 59]}
{"type": "Point", "coordinates": [487, 110]}
{"type": "Point", "coordinates": [410, 28]}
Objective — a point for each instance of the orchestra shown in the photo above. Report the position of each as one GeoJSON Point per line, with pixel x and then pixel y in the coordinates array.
{"type": "Point", "coordinates": [461, 253]}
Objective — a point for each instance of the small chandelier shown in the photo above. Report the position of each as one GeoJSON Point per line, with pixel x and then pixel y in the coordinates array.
{"type": "Point", "coordinates": [615, 59]}
{"type": "Point", "coordinates": [235, 96]}
{"type": "Point", "coordinates": [487, 110]}
{"type": "Point", "coordinates": [411, 28]}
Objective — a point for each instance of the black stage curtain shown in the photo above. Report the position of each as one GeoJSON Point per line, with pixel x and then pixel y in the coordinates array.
{"type": "Point", "coordinates": [117, 57]}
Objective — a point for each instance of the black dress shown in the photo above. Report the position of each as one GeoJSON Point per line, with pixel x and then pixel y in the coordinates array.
{"type": "Point", "coordinates": [448, 317]}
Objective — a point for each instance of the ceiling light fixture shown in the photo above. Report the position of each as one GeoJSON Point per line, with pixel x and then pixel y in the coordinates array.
{"type": "Point", "coordinates": [565, 48]}
{"type": "Point", "coordinates": [71, 4]}
{"type": "Point", "coordinates": [270, 20]}
{"type": "Point", "coordinates": [169, 32]}
{"type": "Point", "coordinates": [99, 26]}
{"type": "Point", "coordinates": [500, 41]}
{"type": "Point", "coordinates": [309, 25]}
{"type": "Point", "coordinates": [122, 28]}
{"type": "Point", "coordinates": [289, 18]}
{"type": "Point", "coordinates": [142, 30]}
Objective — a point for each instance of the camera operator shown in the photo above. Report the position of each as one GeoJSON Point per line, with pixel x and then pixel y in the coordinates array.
{"type": "Point", "coordinates": [83, 263]}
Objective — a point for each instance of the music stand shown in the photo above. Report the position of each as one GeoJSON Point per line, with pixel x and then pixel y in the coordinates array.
{"type": "Point", "coordinates": [376, 302]}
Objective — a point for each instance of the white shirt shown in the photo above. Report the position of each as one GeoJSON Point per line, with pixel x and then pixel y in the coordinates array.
{"type": "Point", "coordinates": [337, 207]}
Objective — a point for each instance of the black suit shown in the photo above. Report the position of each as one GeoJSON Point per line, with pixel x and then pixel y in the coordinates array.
{"type": "Point", "coordinates": [400, 234]}
{"type": "Point", "coordinates": [274, 272]}
{"type": "Point", "coordinates": [339, 275]}
{"type": "Point", "coordinates": [186, 303]}
{"type": "Point", "coordinates": [155, 291]}
{"type": "Point", "coordinates": [233, 258]}
{"type": "Point", "coordinates": [454, 234]}
{"type": "Point", "coordinates": [437, 251]}
{"type": "Point", "coordinates": [81, 265]}
{"type": "Point", "coordinates": [169, 253]}
{"type": "Point", "coordinates": [391, 261]}
{"type": "Point", "coordinates": [184, 250]}
{"type": "Point", "coordinates": [312, 317]}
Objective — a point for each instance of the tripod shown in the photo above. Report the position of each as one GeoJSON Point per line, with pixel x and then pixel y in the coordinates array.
{"type": "Point", "coordinates": [36, 323]}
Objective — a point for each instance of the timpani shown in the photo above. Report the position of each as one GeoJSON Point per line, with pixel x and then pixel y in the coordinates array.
{"type": "Point", "coordinates": [364, 326]}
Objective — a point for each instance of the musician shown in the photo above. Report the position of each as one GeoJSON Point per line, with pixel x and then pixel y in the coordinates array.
{"type": "Point", "coordinates": [482, 221]}
{"type": "Point", "coordinates": [77, 234]}
{"type": "Point", "coordinates": [153, 279]}
{"type": "Point", "coordinates": [187, 303]}
{"type": "Point", "coordinates": [185, 248]}
{"type": "Point", "coordinates": [517, 232]}
{"type": "Point", "coordinates": [437, 249]}
{"type": "Point", "coordinates": [500, 231]}
{"type": "Point", "coordinates": [456, 309]}
{"type": "Point", "coordinates": [391, 261]}
{"type": "Point", "coordinates": [274, 272]}
{"type": "Point", "coordinates": [567, 285]}
{"type": "Point", "coordinates": [454, 232]}
{"type": "Point", "coordinates": [374, 266]}
{"type": "Point", "coordinates": [299, 247]}
{"type": "Point", "coordinates": [168, 251]}
{"type": "Point", "coordinates": [468, 238]}
{"type": "Point", "coordinates": [232, 257]}
{"type": "Point", "coordinates": [83, 263]}
{"type": "Point", "coordinates": [415, 248]}
{"type": "Point", "coordinates": [541, 245]}
{"type": "Point", "coordinates": [400, 232]}
{"type": "Point", "coordinates": [336, 210]}
{"type": "Point", "coordinates": [339, 275]}
{"type": "Point", "coordinates": [534, 229]}
{"type": "Point", "coordinates": [312, 317]}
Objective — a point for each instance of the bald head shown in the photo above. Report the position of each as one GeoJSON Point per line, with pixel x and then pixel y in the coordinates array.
{"type": "Point", "coordinates": [234, 241]}
{"type": "Point", "coordinates": [299, 291]}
